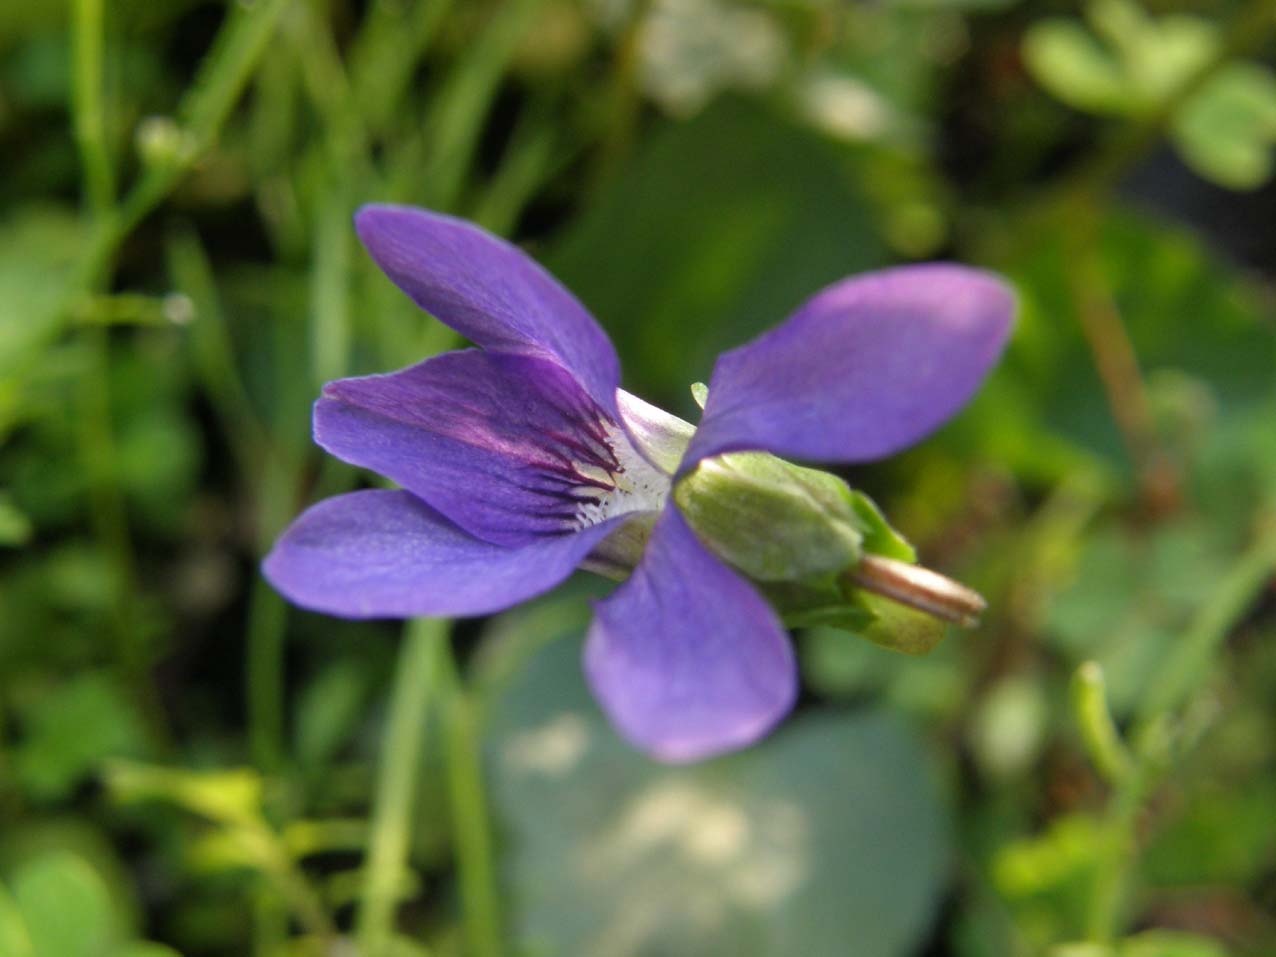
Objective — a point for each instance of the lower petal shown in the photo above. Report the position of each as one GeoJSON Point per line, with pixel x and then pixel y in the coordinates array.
{"type": "Point", "coordinates": [386, 554]}
{"type": "Point", "coordinates": [686, 657]}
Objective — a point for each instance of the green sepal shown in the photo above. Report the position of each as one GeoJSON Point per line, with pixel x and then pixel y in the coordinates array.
{"type": "Point", "coordinates": [879, 537]}
{"type": "Point", "coordinates": [897, 626]}
{"type": "Point", "coordinates": [811, 605]}
{"type": "Point", "coordinates": [772, 520]}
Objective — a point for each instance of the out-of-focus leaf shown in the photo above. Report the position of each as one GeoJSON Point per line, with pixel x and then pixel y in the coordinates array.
{"type": "Point", "coordinates": [231, 797]}
{"type": "Point", "coordinates": [1227, 132]}
{"type": "Point", "coordinates": [144, 949]}
{"type": "Point", "coordinates": [1184, 309]}
{"type": "Point", "coordinates": [1132, 597]}
{"type": "Point", "coordinates": [14, 939]}
{"type": "Point", "coordinates": [1067, 848]}
{"type": "Point", "coordinates": [1170, 943]}
{"type": "Point", "coordinates": [15, 527]}
{"type": "Point", "coordinates": [1134, 65]}
{"type": "Point", "coordinates": [66, 907]}
{"type": "Point", "coordinates": [70, 730]}
{"type": "Point", "coordinates": [827, 832]}
{"type": "Point", "coordinates": [718, 229]}
{"type": "Point", "coordinates": [1065, 58]}
{"type": "Point", "coordinates": [327, 711]}
{"type": "Point", "coordinates": [1223, 837]}
{"type": "Point", "coordinates": [38, 248]}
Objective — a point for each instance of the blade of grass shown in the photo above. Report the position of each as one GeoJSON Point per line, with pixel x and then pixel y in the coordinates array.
{"type": "Point", "coordinates": [416, 679]}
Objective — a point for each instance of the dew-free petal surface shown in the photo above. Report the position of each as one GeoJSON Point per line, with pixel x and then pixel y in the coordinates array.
{"type": "Point", "coordinates": [384, 553]}
{"type": "Point", "coordinates": [863, 369]}
{"type": "Point", "coordinates": [509, 447]}
{"type": "Point", "coordinates": [489, 291]}
{"type": "Point", "coordinates": [686, 658]}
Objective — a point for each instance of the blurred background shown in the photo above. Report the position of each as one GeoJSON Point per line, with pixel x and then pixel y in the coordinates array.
{"type": "Point", "coordinates": [189, 766]}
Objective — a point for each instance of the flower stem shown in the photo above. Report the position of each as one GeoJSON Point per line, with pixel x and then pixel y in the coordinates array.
{"type": "Point", "coordinates": [471, 826]}
{"type": "Point", "coordinates": [415, 681]}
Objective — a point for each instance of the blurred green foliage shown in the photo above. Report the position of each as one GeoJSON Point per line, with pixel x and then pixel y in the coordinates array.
{"type": "Point", "coordinates": [184, 759]}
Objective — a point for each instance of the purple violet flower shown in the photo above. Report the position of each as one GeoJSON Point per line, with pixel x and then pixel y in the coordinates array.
{"type": "Point", "coordinates": [522, 459]}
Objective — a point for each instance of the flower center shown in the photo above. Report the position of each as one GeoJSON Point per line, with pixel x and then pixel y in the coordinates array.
{"type": "Point", "coordinates": [598, 474]}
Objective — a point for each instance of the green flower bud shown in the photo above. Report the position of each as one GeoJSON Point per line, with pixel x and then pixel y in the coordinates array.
{"type": "Point", "coordinates": [775, 521]}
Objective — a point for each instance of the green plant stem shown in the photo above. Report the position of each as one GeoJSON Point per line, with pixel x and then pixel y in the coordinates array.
{"type": "Point", "coordinates": [415, 681]}
{"type": "Point", "coordinates": [1094, 720]}
{"type": "Point", "coordinates": [470, 823]}
{"type": "Point", "coordinates": [90, 123]}
{"type": "Point", "coordinates": [108, 510]}
{"type": "Point", "coordinates": [264, 846]}
{"type": "Point", "coordinates": [1180, 674]}
{"type": "Point", "coordinates": [267, 616]}
{"type": "Point", "coordinates": [238, 48]}
{"type": "Point", "coordinates": [458, 114]}
{"type": "Point", "coordinates": [1120, 848]}
{"type": "Point", "coordinates": [1187, 664]}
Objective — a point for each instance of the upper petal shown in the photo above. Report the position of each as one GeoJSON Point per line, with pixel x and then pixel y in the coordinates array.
{"type": "Point", "coordinates": [489, 291]}
{"type": "Point", "coordinates": [386, 554]}
{"type": "Point", "coordinates": [863, 369]}
{"type": "Point", "coordinates": [509, 447]}
{"type": "Point", "coordinates": [686, 657]}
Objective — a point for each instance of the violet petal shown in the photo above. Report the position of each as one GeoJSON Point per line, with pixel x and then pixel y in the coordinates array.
{"type": "Point", "coordinates": [509, 447]}
{"type": "Point", "coordinates": [863, 369]}
{"type": "Point", "coordinates": [686, 657]}
{"type": "Point", "coordinates": [489, 291]}
{"type": "Point", "coordinates": [386, 554]}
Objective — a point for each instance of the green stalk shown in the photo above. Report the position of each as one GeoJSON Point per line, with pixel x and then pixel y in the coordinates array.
{"type": "Point", "coordinates": [415, 680]}
{"type": "Point", "coordinates": [90, 123]}
{"type": "Point", "coordinates": [239, 47]}
{"type": "Point", "coordinates": [267, 616]}
{"type": "Point", "coordinates": [1188, 661]}
{"type": "Point", "coordinates": [471, 826]}
{"type": "Point", "coordinates": [1180, 674]}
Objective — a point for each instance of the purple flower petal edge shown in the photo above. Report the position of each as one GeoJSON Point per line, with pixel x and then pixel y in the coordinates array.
{"type": "Point", "coordinates": [686, 658]}
{"type": "Point", "coordinates": [489, 291]}
{"type": "Point", "coordinates": [863, 369]}
{"type": "Point", "coordinates": [386, 554]}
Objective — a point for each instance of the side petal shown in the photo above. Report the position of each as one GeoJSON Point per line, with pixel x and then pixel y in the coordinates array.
{"type": "Point", "coordinates": [489, 291]}
{"type": "Point", "coordinates": [386, 554]}
{"type": "Point", "coordinates": [686, 657]}
{"type": "Point", "coordinates": [865, 368]}
{"type": "Point", "coordinates": [509, 447]}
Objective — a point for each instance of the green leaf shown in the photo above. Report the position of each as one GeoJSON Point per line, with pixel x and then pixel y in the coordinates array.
{"type": "Point", "coordinates": [1186, 310]}
{"type": "Point", "coordinates": [328, 710]}
{"type": "Point", "coordinates": [1227, 132]}
{"type": "Point", "coordinates": [15, 527]}
{"type": "Point", "coordinates": [71, 729]}
{"type": "Point", "coordinates": [144, 949]}
{"type": "Point", "coordinates": [1074, 67]}
{"type": "Point", "coordinates": [66, 906]}
{"type": "Point", "coordinates": [1170, 943]}
{"type": "Point", "coordinates": [880, 538]}
{"type": "Point", "coordinates": [827, 832]}
{"type": "Point", "coordinates": [14, 939]}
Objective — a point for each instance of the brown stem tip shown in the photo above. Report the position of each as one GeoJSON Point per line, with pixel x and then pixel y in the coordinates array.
{"type": "Point", "coordinates": [919, 588]}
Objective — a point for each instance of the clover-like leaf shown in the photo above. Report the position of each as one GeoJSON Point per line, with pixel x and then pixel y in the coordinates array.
{"type": "Point", "coordinates": [1227, 132]}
